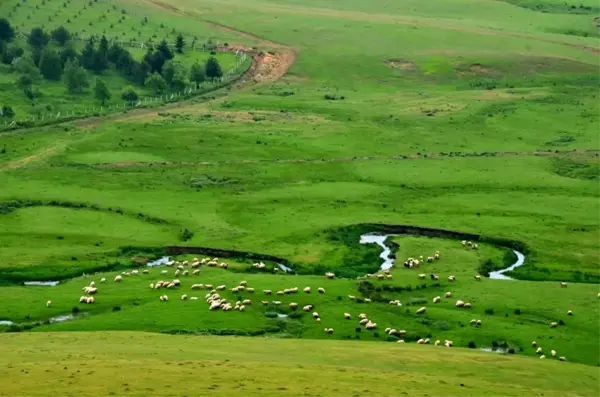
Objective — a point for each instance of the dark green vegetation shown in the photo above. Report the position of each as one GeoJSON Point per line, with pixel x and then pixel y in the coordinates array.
{"type": "Point", "coordinates": [478, 118]}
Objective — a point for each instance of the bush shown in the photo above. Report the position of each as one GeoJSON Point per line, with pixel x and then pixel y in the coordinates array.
{"type": "Point", "coordinates": [494, 344]}
{"type": "Point", "coordinates": [358, 329]}
{"type": "Point", "coordinates": [75, 309]}
{"type": "Point", "coordinates": [489, 311]}
{"type": "Point", "coordinates": [129, 94]}
{"type": "Point", "coordinates": [561, 322]}
{"type": "Point", "coordinates": [271, 315]}
{"type": "Point", "coordinates": [472, 345]}
{"type": "Point", "coordinates": [376, 334]}
{"type": "Point", "coordinates": [511, 350]}
{"type": "Point", "coordinates": [116, 308]}
{"type": "Point", "coordinates": [517, 311]}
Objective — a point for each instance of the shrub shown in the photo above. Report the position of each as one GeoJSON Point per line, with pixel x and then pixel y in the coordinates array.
{"type": "Point", "coordinates": [511, 350]}
{"type": "Point", "coordinates": [358, 329]}
{"type": "Point", "coordinates": [517, 311]}
{"type": "Point", "coordinates": [75, 309]}
{"type": "Point", "coordinates": [376, 334]}
{"type": "Point", "coordinates": [561, 322]}
{"type": "Point", "coordinates": [489, 311]}
{"type": "Point", "coordinates": [270, 314]}
{"type": "Point", "coordinates": [116, 308]}
{"type": "Point", "coordinates": [472, 345]}
{"type": "Point", "coordinates": [129, 94]}
{"type": "Point", "coordinates": [494, 344]}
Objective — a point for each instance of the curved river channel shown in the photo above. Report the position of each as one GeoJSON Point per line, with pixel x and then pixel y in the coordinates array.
{"type": "Point", "coordinates": [388, 262]}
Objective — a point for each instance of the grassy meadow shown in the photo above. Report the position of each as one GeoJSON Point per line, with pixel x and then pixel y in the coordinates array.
{"type": "Point", "coordinates": [472, 116]}
{"type": "Point", "coordinates": [141, 364]}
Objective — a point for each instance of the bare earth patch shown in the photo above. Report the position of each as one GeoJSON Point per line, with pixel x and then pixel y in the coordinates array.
{"type": "Point", "coordinates": [400, 64]}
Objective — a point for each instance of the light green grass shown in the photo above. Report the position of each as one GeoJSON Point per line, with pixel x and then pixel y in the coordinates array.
{"type": "Point", "coordinates": [185, 365]}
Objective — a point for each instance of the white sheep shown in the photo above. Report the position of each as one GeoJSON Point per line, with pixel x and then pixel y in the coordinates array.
{"type": "Point", "coordinates": [451, 278]}
{"type": "Point", "coordinates": [277, 303]}
{"type": "Point", "coordinates": [420, 341]}
{"type": "Point", "coordinates": [220, 287]}
{"type": "Point", "coordinates": [448, 294]}
{"type": "Point", "coordinates": [196, 272]}
{"type": "Point", "coordinates": [539, 350]}
{"type": "Point", "coordinates": [363, 321]}
{"type": "Point", "coordinates": [250, 290]}
{"type": "Point", "coordinates": [267, 292]}
{"type": "Point", "coordinates": [293, 305]}
{"type": "Point", "coordinates": [351, 297]}
{"type": "Point", "coordinates": [533, 344]}
{"type": "Point", "coordinates": [118, 278]}
{"type": "Point", "coordinates": [315, 315]}
{"type": "Point", "coordinates": [362, 315]}
{"type": "Point", "coordinates": [436, 299]}
{"type": "Point", "coordinates": [400, 341]}
{"type": "Point", "coordinates": [164, 271]}
{"type": "Point", "coordinates": [371, 325]}
{"type": "Point", "coordinates": [243, 282]}
{"type": "Point", "coordinates": [422, 276]}
{"type": "Point", "coordinates": [563, 284]}
{"type": "Point", "coordinates": [307, 290]}
{"type": "Point", "coordinates": [553, 352]}
{"type": "Point", "coordinates": [265, 303]}
{"type": "Point", "coordinates": [151, 285]}
{"type": "Point", "coordinates": [307, 308]}
{"type": "Point", "coordinates": [460, 303]}
{"type": "Point", "coordinates": [367, 300]}
{"type": "Point", "coordinates": [477, 277]}
{"type": "Point", "coordinates": [49, 304]}
{"type": "Point", "coordinates": [329, 275]}
{"type": "Point", "coordinates": [347, 316]}
{"type": "Point", "coordinates": [184, 297]}
{"type": "Point", "coordinates": [247, 302]}
{"type": "Point", "coordinates": [280, 293]}
{"type": "Point", "coordinates": [467, 305]}
{"type": "Point", "coordinates": [102, 280]}
{"type": "Point", "coordinates": [542, 357]}
{"type": "Point", "coordinates": [553, 324]}
{"type": "Point", "coordinates": [569, 313]}
{"type": "Point", "coordinates": [421, 310]}
{"type": "Point", "coordinates": [562, 358]}
{"type": "Point", "coordinates": [321, 290]}
{"type": "Point", "coordinates": [437, 342]}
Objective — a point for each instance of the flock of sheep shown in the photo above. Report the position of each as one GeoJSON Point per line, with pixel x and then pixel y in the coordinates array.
{"type": "Point", "coordinates": [217, 302]}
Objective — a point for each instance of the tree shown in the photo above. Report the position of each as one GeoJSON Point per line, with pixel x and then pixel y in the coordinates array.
{"type": "Point", "coordinates": [165, 51]}
{"type": "Point", "coordinates": [156, 83]}
{"type": "Point", "coordinates": [7, 112]}
{"type": "Point", "coordinates": [179, 44]}
{"type": "Point", "coordinates": [115, 52]}
{"type": "Point", "coordinates": [213, 68]}
{"type": "Point", "coordinates": [75, 77]}
{"type": "Point", "coordinates": [168, 71]}
{"type": "Point", "coordinates": [25, 66]}
{"type": "Point", "coordinates": [87, 55]}
{"type": "Point", "coordinates": [198, 73]}
{"type": "Point", "coordinates": [11, 53]}
{"type": "Point", "coordinates": [68, 53]}
{"type": "Point", "coordinates": [101, 91]}
{"type": "Point", "coordinates": [140, 72]}
{"type": "Point", "coordinates": [101, 56]}
{"type": "Point", "coordinates": [61, 35]}
{"type": "Point", "coordinates": [38, 38]}
{"type": "Point", "coordinates": [24, 82]}
{"type": "Point", "coordinates": [7, 33]}
{"type": "Point", "coordinates": [129, 94]}
{"type": "Point", "coordinates": [51, 65]}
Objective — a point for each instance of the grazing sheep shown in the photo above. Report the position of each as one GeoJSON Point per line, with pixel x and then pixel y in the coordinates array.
{"type": "Point", "coordinates": [422, 276]}
{"type": "Point", "coordinates": [467, 305]}
{"type": "Point", "coordinates": [92, 284]}
{"type": "Point", "coordinates": [388, 276]}
{"type": "Point", "coordinates": [367, 300]}
{"type": "Point", "coordinates": [460, 303]}
{"type": "Point", "coordinates": [90, 300]}
{"type": "Point", "coordinates": [436, 299]}
{"type": "Point", "coordinates": [562, 358]}
{"type": "Point", "coordinates": [164, 271]}
{"type": "Point", "coordinates": [49, 304]}
{"type": "Point", "coordinates": [542, 357]}
{"type": "Point", "coordinates": [315, 315]}
{"type": "Point", "coordinates": [329, 330]}
{"type": "Point", "coordinates": [451, 278]}
{"type": "Point", "coordinates": [280, 293]}
{"type": "Point", "coordinates": [533, 344]}
{"type": "Point", "coordinates": [184, 297]}
{"type": "Point", "coordinates": [247, 302]}
{"type": "Point", "coordinates": [479, 322]}
{"type": "Point", "coordinates": [473, 322]}
{"type": "Point", "coordinates": [277, 303]}
{"type": "Point", "coordinates": [197, 286]}
{"type": "Point", "coordinates": [293, 305]}
{"type": "Point", "coordinates": [102, 280]}
{"type": "Point", "coordinates": [477, 277]}
{"type": "Point", "coordinates": [402, 332]}
{"type": "Point", "coordinates": [362, 315]}
{"type": "Point", "coordinates": [267, 292]}
{"type": "Point", "coordinates": [329, 275]}
{"type": "Point", "coordinates": [569, 313]}
{"type": "Point", "coordinates": [393, 331]}
{"type": "Point", "coordinates": [321, 290]}
{"type": "Point", "coordinates": [553, 324]}
{"type": "Point", "coordinates": [151, 285]}
{"type": "Point", "coordinates": [307, 290]}
{"type": "Point", "coordinates": [164, 298]}
{"type": "Point", "coordinates": [177, 273]}
{"type": "Point", "coordinates": [244, 283]}
{"type": "Point", "coordinates": [194, 298]}
{"type": "Point", "coordinates": [208, 286]}
{"type": "Point", "coordinates": [371, 325]}
{"type": "Point", "coordinates": [242, 308]}
{"type": "Point", "coordinates": [146, 271]}
{"type": "Point", "coordinates": [538, 350]}
{"type": "Point", "coordinates": [363, 321]}
{"type": "Point", "coordinates": [426, 341]}
{"type": "Point", "coordinates": [434, 276]}
{"type": "Point", "coordinates": [347, 316]}
{"type": "Point", "coordinates": [421, 310]}
{"type": "Point", "coordinates": [118, 278]}
{"type": "Point", "coordinates": [264, 302]}
{"type": "Point", "coordinates": [400, 341]}
{"type": "Point", "coordinates": [448, 343]}
{"type": "Point", "coordinates": [351, 297]}
{"type": "Point", "coordinates": [464, 243]}
{"type": "Point", "coordinates": [220, 287]}
{"type": "Point", "coordinates": [387, 330]}
{"type": "Point", "coordinates": [307, 308]}
{"type": "Point", "coordinates": [437, 342]}
{"type": "Point", "coordinates": [235, 289]}
{"type": "Point", "coordinates": [436, 256]}
{"type": "Point", "coordinates": [430, 259]}
{"type": "Point", "coordinates": [318, 319]}
{"type": "Point", "coordinates": [250, 290]}
{"type": "Point", "coordinates": [474, 246]}
{"type": "Point", "coordinates": [420, 341]}
{"type": "Point", "coordinates": [196, 272]}
{"type": "Point", "coordinates": [448, 294]}
{"type": "Point", "coordinates": [553, 352]}
{"type": "Point", "coordinates": [563, 284]}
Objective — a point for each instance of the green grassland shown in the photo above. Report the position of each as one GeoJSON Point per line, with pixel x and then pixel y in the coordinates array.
{"type": "Point", "coordinates": [472, 116]}
{"type": "Point", "coordinates": [124, 363]}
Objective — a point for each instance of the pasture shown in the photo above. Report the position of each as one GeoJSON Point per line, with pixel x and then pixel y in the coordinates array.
{"type": "Point", "coordinates": [473, 117]}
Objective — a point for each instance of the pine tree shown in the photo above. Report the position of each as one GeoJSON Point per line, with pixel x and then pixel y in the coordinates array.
{"type": "Point", "coordinates": [7, 33]}
{"type": "Point", "coordinates": [213, 68]}
{"type": "Point", "coordinates": [87, 55]}
{"type": "Point", "coordinates": [101, 91]}
{"type": "Point", "coordinates": [101, 56]}
{"type": "Point", "coordinates": [38, 38]}
{"type": "Point", "coordinates": [179, 44]}
{"type": "Point", "coordinates": [75, 77]}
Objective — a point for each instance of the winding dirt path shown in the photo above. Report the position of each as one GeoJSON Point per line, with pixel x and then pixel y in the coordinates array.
{"type": "Point", "coordinates": [339, 159]}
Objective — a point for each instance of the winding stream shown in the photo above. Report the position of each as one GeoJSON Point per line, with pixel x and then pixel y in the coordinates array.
{"type": "Point", "coordinates": [388, 262]}
{"type": "Point", "coordinates": [42, 283]}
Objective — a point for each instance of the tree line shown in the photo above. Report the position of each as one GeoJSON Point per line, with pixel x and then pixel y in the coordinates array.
{"type": "Point", "coordinates": [54, 56]}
